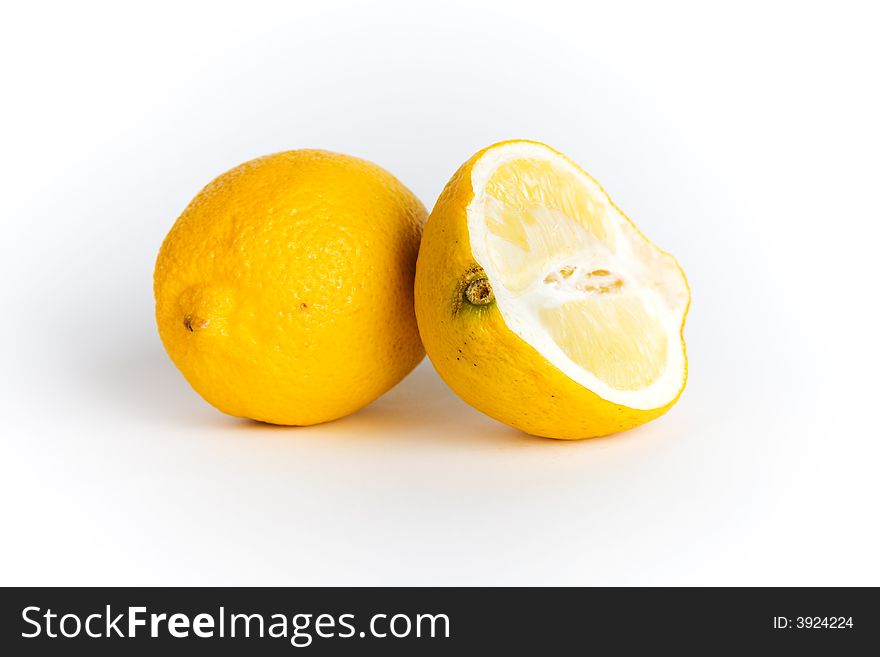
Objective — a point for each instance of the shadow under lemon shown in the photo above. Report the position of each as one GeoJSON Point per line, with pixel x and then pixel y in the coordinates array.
{"type": "Point", "coordinates": [422, 409]}
{"type": "Point", "coordinates": [143, 385]}
{"type": "Point", "coordinates": [137, 381]}
{"type": "Point", "coordinates": [419, 408]}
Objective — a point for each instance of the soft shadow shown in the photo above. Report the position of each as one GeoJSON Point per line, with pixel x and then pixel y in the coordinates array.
{"type": "Point", "coordinates": [420, 408]}
{"type": "Point", "coordinates": [136, 379]}
{"type": "Point", "coordinates": [423, 407]}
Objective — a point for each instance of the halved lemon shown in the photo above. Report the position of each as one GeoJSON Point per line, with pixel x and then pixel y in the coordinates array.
{"type": "Point", "coordinates": [542, 305]}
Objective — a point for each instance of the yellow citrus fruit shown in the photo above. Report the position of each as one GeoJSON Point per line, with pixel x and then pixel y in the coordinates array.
{"type": "Point", "coordinates": [284, 292]}
{"type": "Point", "coordinates": [542, 305]}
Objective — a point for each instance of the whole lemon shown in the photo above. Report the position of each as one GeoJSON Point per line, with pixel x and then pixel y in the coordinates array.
{"type": "Point", "coordinates": [284, 292]}
{"type": "Point", "coordinates": [542, 305]}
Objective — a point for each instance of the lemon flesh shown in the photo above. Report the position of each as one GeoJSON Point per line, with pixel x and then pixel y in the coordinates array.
{"type": "Point", "coordinates": [575, 279]}
{"type": "Point", "coordinates": [542, 305]}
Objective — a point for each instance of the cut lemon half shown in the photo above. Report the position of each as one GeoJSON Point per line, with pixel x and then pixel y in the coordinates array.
{"type": "Point", "coordinates": [575, 318]}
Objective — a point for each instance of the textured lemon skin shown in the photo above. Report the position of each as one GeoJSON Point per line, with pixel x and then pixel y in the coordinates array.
{"type": "Point", "coordinates": [284, 292]}
{"type": "Point", "coordinates": [484, 362]}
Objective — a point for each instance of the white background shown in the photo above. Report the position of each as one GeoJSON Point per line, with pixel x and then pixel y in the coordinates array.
{"type": "Point", "coordinates": [742, 138]}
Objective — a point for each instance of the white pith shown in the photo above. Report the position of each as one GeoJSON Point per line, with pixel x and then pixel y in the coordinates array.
{"type": "Point", "coordinates": [633, 266]}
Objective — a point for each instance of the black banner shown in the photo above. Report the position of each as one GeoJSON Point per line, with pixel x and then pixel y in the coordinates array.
{"type": "Point", "coordinates": [407, 621]}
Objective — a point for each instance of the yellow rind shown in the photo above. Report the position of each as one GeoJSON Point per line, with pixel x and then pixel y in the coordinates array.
{"type": "Point", "coordinates": [284, 291]}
